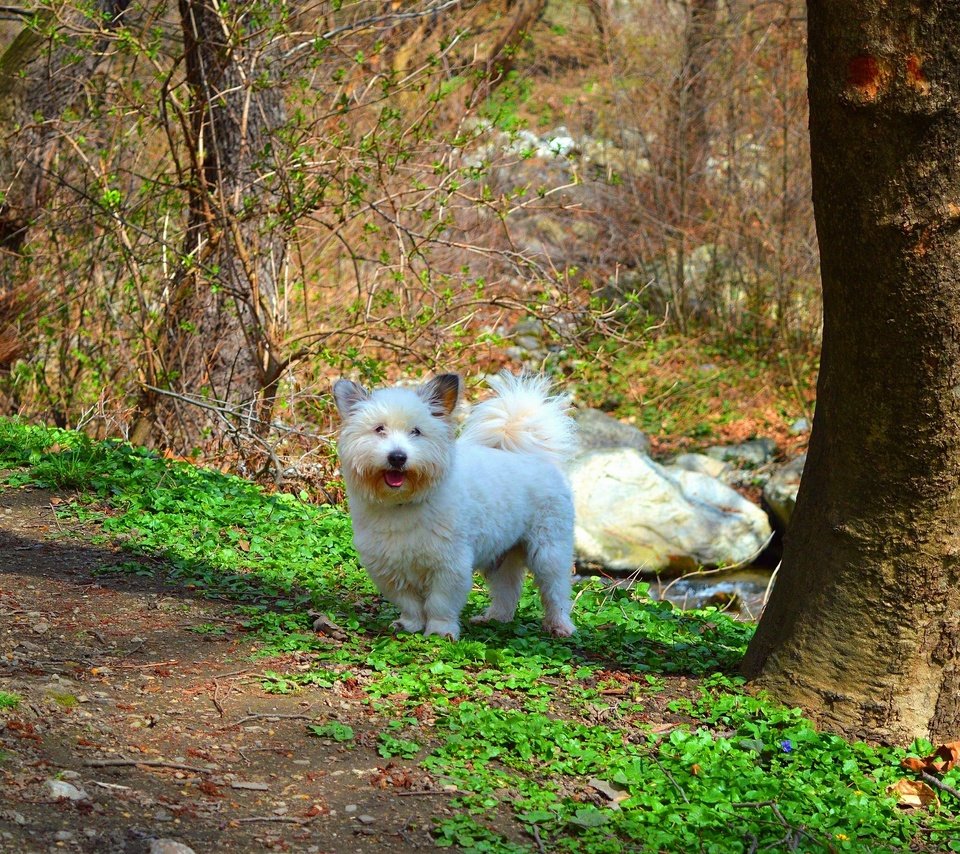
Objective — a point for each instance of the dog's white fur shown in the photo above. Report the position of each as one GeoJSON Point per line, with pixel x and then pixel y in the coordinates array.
{"type": "Point", "coordinates": [429, 508]}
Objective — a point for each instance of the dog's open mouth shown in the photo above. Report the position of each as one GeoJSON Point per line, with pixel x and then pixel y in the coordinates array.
{"type": "Point", "coordinates": [393, 478]}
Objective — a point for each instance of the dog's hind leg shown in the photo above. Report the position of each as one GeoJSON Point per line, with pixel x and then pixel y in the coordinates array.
{"type": "Point", "coordinates": [506, 584]}
{"type": "Point", "coordinates": [551, 562]}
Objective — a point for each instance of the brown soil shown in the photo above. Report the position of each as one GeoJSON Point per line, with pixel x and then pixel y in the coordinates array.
{"type": "Point", "coordinates": [168, 730]}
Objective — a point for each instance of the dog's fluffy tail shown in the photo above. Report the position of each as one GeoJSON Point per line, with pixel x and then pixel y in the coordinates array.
{"type": "Point", "coordinates": [525, 417]}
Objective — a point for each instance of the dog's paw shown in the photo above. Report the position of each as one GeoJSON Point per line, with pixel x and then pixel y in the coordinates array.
{"type": "Point", "coordinates": [488, 617]}
{"type": "Point", "coordinates": [560, 627]}
{"type": "Point", "coordinates": [450, 631]}
{"type": "Point", "coordinates": [407, 624]}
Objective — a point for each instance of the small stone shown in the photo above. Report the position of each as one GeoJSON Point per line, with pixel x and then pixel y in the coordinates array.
{"type": "Point", "coordinates": [69, 775]}
{"type": "Point", "coordinates": [350, 808]}
{"type": "Point", "coordinates": [755, 452]}
{"type": "Point", "coordinates": [58, 789]}
{"type": "Point", "coordinates": [41, 628]}
{"type": "Point", "coordinates": [253, 787]}
{"type": "Point", "coordinates": [169, 846]}
{"type": "Point", "coordinates": [63, 836]}
{"type": "Point", "coordinates": [12, 815]}
{"type": "Point", "coordinates": [366, 819]}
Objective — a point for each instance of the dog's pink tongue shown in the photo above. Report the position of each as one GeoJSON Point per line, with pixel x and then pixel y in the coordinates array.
{"type": "Point", "coordinates": [393, 478]}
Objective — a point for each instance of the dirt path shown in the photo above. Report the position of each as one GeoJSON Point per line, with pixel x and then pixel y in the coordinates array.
{"type": "Point", "coordinates": [145, 706]}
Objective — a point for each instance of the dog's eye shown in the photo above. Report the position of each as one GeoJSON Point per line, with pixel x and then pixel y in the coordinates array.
{"type": "Point", "coordinates": [380, 430]}
{"type": "Point", "coordinates": [415, 431]}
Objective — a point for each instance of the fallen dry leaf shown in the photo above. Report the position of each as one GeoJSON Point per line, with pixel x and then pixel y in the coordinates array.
{"type": "Point", "coordinates": [949, 754]}
{"type": "Point", "coordinates": [613, 792]}
{"type": "Point", "coordinates": [943, 759]}
{"type": "Point", "coordinates": [913, 793]}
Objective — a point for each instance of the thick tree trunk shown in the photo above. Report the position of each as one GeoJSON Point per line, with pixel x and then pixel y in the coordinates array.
{"type": "Point", "coordinates": [863, 628]}
{"type": "Point", "coordinates": [224, 316]}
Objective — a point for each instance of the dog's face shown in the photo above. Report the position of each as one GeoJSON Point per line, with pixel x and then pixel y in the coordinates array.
{"type": "Point", "coordinates": [395, 443]}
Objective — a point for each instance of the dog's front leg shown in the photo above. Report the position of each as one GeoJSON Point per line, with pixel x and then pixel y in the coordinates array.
{"type": "Point", "coordinates": [449, 588]}
{"type": "Point", "coordinates": [410, 604]}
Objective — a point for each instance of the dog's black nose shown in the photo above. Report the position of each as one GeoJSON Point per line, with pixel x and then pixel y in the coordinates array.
{"type": "Point", "coordinates": [397, 459]}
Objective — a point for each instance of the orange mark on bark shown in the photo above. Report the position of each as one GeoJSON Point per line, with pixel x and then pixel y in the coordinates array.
{"type": "Point", "coordinates": [916, 79]}
{"type": "Point", "coordinates": [868, 76]}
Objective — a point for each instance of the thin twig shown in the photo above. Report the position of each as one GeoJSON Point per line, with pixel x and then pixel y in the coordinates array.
{"type": "Point", "coordinates": [409, 794]}
{"type": "Point", "coordinates": [232, 673]}
{"type": "Point", "coordinates": [261, 715]}
{"type": "Point", "coordinates": [150, 763]}
{"type": "Point", "coordinates": [225, 409]}
{"type": "Point", "coordinates": [111, 786]}
{"type": "Point", "coordinates": [740, 564]}
{"type": "Point", "coordinates": [669, 776]}
{"type": "Point", "coordinates": [536, 838]}
{"type": "Point", "coordinates": [770, 583]}
{"type": "Point", "coordinates": [289, 819]}
{"type": "Point", "coordinates": [147, 666]}
{"type": "Point", "coordinates": [927, 777]}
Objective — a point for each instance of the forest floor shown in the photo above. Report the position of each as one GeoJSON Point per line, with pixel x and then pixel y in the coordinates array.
{"type": "Point", "coordinates": [148, 700]}
{"type": "Point", "coordinates": [144, 697]}
{"type": "Point", "coordinates": [187, 660]}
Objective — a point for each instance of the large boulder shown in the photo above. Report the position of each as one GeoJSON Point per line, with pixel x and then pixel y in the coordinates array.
{"type": "Point", "coordinates": [780, 491]}
{"type": "Point", "coordinates": [705, 465]}
{"type": "Point", "coordinates": [634, 514]}
{"type": "Point", "coordinates": [597, 430]}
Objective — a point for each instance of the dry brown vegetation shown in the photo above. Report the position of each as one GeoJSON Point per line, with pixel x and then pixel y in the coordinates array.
{"type": "Point", "coordinates": [207, 258]}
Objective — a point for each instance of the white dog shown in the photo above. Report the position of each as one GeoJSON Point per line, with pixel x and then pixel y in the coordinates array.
{"type": "Point", "coordinates": [428, 508]}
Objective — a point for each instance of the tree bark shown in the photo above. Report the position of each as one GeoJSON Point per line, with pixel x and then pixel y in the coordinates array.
{"type": "Point", "coordinates": [863, 627]}
{"type": "Point", "coordinates": [41, 75]}
{"type": "Point", "coordinates": [224, 316]}
{"type": "Point", "coordinates": [689, 144]}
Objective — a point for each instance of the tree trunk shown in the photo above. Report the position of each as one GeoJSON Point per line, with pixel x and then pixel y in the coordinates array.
{"type": "Point", "coordinates": [41, 75]}
{"type": "Point", "coordinates": [690, 143]}
{"type": "Point", "coordinates": [863, 627]}
{"type": "Point", "coordinates": [224, 316]}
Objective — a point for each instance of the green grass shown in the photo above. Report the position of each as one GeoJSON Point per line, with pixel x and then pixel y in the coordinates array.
{"type": "Point", "coordinates": [684, 388]}
{"type": "Point", "coordinates": [9, 700]}
{"type": "Point", "coordinates": [530, 727]}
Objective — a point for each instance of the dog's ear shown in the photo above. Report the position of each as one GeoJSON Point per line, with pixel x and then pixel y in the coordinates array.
{"type": "Point", "coordinates": [441, 394]}
{"type": "Point", "coordinates": [348, 394]}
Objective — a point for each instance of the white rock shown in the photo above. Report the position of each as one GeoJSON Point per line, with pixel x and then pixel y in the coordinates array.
{"type": "Point", "coordinates": [634, 514]}
{"type": "Point", "coordinates": [598, 430]}
{"type": "Point", "coordinates": [780, 491]}
{"type": "Point", "coordinates": [58, 789]}
{"type": "Point", "coordinates": [169, 846]}
{"type": "Point", "coordinates": [703, 464]}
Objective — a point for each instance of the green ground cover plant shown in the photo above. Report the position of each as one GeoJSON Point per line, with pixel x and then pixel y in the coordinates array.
{"type": "Point", "coordinates": [633, 735]}
{"type": "Point", "coordinates": [9, 700]}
